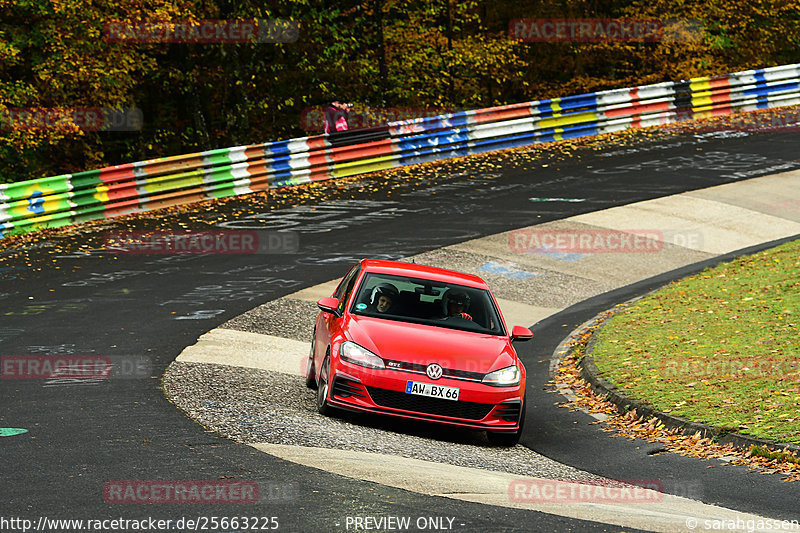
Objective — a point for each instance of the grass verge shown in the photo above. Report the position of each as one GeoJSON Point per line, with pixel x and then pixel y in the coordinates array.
{"type": "Point", "coordinates": [721, 347]}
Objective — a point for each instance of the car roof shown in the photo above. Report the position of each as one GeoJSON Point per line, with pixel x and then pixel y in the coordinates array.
{"type": "Point", "coordinates": [399, 268]}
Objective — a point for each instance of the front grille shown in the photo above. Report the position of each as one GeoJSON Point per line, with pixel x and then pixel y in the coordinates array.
{"type": "Point", "coordinates": [430, 406]}
{"type": "Point", "coordinates": [446, 372]}
{"type": "Point", "coordinates": [509, 411]}
{"type": "Point", "coordinates": [344, 388]}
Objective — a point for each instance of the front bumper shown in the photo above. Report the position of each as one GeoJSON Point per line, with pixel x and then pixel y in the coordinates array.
{"type": "Point", "coordinates": [479, 407]}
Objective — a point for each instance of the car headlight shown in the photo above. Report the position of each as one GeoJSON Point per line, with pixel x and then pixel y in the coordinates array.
{"type": "Point", "coordinates": [353, 353]}
{"type": "Point", "coordinates": [505, 377]}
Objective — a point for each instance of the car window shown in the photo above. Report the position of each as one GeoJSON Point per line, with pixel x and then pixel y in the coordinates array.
{"type": "Point", "coordinates": [345, 288]}
{"type": "Point", "coordinates": [343, 283]}
{"type": "Point", "coordinates": [428, 302]}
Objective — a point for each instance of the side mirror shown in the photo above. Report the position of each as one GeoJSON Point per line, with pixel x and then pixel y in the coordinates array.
{"type": "Point", "coordinates": [329, 305]}
{"type": "Point", "coordinates": [518, 333]}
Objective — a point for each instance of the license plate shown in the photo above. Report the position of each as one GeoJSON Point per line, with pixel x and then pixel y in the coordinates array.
{"type": "Point", "coordinates": [431, 390]}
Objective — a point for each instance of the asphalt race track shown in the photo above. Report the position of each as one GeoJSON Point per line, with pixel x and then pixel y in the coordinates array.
{"type": "Point", "coordinates": [144, 309]}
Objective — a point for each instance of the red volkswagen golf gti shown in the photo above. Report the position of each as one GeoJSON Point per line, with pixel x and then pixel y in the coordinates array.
{"type": "Point", "coordinates": [420, 343]}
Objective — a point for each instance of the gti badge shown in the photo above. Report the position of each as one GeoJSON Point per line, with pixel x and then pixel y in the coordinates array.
{"type": "Point", "coordinates": [434, 371]}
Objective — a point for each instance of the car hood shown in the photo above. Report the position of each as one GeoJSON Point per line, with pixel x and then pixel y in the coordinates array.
{"type": "Point", "coordinates": [422, 344]}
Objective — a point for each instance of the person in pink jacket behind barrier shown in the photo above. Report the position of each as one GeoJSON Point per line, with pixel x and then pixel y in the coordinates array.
{"type": "Point", "coordinates": [336, 115]}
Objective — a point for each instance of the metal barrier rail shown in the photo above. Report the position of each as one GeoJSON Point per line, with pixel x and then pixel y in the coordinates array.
{"type": "Point", "coordinates": [147, 185]}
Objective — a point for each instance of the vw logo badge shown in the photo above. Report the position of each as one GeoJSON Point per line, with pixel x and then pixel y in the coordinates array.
{"type": "Point", "coordinates": [434, 371]}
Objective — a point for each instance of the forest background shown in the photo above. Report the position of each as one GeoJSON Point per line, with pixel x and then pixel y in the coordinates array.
{"type": "Point", "coordinates": [391, 58]}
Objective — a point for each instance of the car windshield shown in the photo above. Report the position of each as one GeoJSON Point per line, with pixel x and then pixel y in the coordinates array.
{"type": "Point", "coordinates": [424, 301]}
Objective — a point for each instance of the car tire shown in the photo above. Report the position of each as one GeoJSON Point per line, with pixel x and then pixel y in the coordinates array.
{"type": "Point", "coordinates": [311, 378]}
{"type": "Point", "coordinates": [322, 389]}
{"type": "Point", "coordinates": [508, 439]}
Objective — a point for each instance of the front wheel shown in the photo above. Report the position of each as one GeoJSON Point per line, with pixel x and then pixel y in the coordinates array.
{"type": "Point", "coordinates": [508, 439]}
{"type": "Point", "coordinates": [322, 389]}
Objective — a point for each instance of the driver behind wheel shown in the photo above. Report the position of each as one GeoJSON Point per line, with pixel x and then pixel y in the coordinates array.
{"type": "Point", "coordinates": [456, 303]}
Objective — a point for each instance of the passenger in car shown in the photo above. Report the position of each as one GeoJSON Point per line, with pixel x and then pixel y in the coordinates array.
{"type": "Point", "coordinates": [384, 297]}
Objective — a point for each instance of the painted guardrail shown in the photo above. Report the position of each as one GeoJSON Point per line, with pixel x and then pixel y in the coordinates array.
{"type": "Point", "coordinates": [183, 179]}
